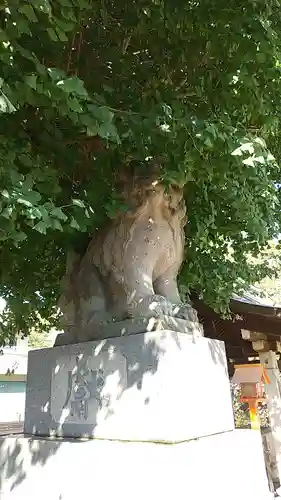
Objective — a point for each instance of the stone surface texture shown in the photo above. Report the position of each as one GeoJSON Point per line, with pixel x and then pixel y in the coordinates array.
{"type": "Point", "coordinates": [228, 466]}
{"type": "Point", "coordinates": [130, 267]}
{"type": "Point", "coordinates": [156, 386]}
{"type": "Point", "coordinates": [139, 325]}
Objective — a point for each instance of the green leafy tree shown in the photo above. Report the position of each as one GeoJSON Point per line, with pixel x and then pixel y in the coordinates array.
{"type": "Point", "coordinates": [87, 87]}
{"type": "Point", "coordinates": [270, 286]}
{"type": "Point", "coordinates": [38, 339]}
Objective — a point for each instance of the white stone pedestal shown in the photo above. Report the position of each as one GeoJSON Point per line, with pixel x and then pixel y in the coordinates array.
{"type": "Point", "coordinates": [143, 399]}
{"type": "Point", "coordinates": [157, 386]}
{"type": "Point", "coordinates": [228, 466]}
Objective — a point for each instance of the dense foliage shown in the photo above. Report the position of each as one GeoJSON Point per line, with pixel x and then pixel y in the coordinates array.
{"type": "Point", "coordinates": [89, 86]}
{"type": "Point", "coordinates": [269, 288]}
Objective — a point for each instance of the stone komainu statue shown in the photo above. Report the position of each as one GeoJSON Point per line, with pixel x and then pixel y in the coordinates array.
{"type": "Point", "coordinates": [130, 268]}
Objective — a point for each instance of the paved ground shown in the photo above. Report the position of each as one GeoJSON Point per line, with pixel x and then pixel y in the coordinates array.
{"type": "Point", "coordinates": [11, 428]}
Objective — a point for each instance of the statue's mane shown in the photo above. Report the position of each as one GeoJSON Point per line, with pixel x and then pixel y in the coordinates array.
{"type": "Point", "coordinates": [148, 235]}
{"type": "Point", "coordinates": [139, 192]}
{"type": "Point", "coordinates": [143, 195]}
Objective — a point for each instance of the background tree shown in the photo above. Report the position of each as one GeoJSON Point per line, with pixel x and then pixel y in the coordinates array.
{"type": "Point", "coordinates": [88, 86]}
{"type": "Point", "coordinates": [39, 339]}
{"type": "Point", "coordinates": [270, 286]}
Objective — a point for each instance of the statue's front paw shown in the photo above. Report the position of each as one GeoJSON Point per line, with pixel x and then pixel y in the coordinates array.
{"type": "Point", "coordinates": [185, 311]}
{"type": "Point", "coordinates": [160, 306]}
{"type": "Point", "coordinates": [151, 306]}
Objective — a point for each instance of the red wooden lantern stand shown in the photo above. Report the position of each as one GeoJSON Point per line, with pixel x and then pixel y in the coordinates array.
{"type": "Point", "coordinates": [251, 378]}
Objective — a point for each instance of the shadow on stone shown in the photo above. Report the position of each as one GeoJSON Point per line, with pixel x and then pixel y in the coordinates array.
{"type": "Point", "coordinates": [131, 388]}
{"type": "Point", "coordinates": [14, 451]}
{"type": "Point", "coordinates": [72, 386]}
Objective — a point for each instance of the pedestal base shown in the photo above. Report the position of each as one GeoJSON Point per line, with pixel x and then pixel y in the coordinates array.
{"type": "Point", "coordinates": [156, 386]}
{"type": "Point", "coordinates": [138, 325]}
{"type": "Point", "coordinates": [223, 467]}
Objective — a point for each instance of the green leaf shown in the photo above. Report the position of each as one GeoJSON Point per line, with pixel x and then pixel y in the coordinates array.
{"type": "Point", "coordinates": [28, 183]}
{"type": "Point", "coordinates": [61, 35]}
{"type": "Point", "coordinates": [78, 203]}
{"type": "Point", "coordinates": [43, 6]}
{"type": "Point", "coordinates": [26, 160]}
{"type": "Point", "coordinates": [23, 26]}
{"type": "Point", "coordinates": [73, 85]}
{"type": "Point", "coordinates": [208, 142]}
{"type": "Point", "coordinates": [25, 202]}
{"type": "Point", "coordinates": [74, 224]}
{"type": "Point", "coordinates": [41, 227]}
{"type": "Point", "coordinates": [31, 81]}
{"type": "Point", "coordinates": [75, 105]}
{"type": "Point", "coordinates": [58, 213]}
{"type": "Point", "coordinates": [19, 236]}
{"type": "Point", "coordinates": [57, 225]}
{"type": "Point", "coordinates": [261, 57]}
{"type": "Point", "coordinates": [5, 194]}
{"type": "Point", "coordinates": [28, 197]}
{"type": "Point", "coordinates": [107, 131]}
{"type": "Point", "coordinates": [92, 130]}
{"type": "Point", "coordinates": [28, 11]}
{"type": "Point", "coordinates": [249, 162]}
{"type": "Point", "coordinates": [102, 113]}
{"type": "Point", "coordinates": [52, 34]}
{"type": "Point", "coordinates": [35, 213]}
{"type": "Point", "coordinates": [108, 89]}
{"type": "Point", "coordinates": [56, 74]}
{"type": "Point", "coordinates": [7, 212]}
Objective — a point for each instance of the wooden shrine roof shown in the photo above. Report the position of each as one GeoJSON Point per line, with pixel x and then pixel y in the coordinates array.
{"type": "Point", "coordinates": [246, 315]}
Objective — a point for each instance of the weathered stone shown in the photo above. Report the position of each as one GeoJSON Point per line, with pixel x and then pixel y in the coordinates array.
{"type": "Point", "coordinates": [139, 325]}
{"type": "Point", "coordinates": [158, 386]}
{"type": "Point", "coordinates": [221, 467]}
{"type": "Point", "coordinates": [130, 268]}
